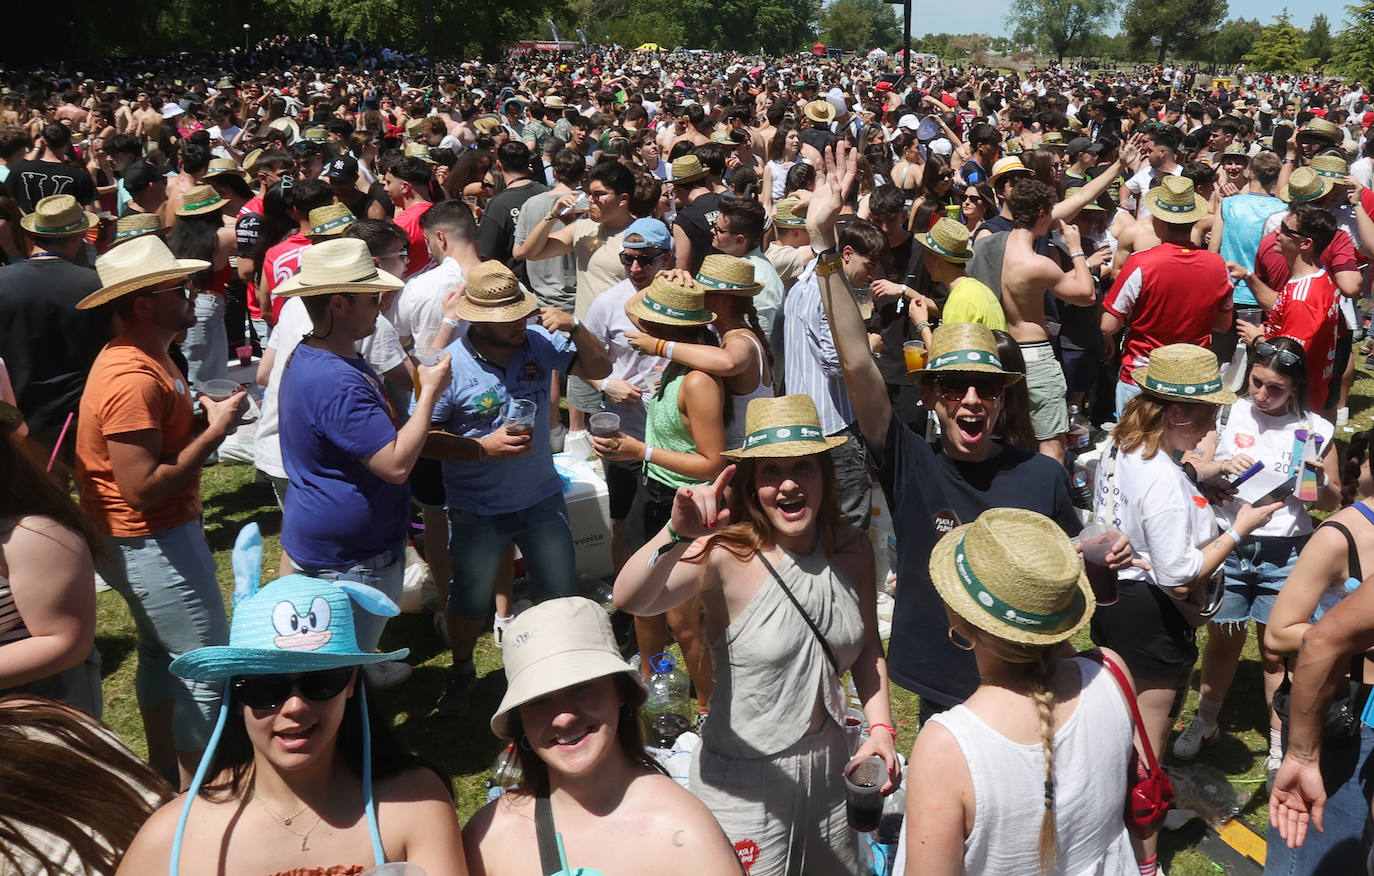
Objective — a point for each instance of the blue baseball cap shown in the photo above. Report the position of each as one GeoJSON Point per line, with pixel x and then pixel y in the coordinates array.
{"type": "Point", "coordinates": [652, 234]}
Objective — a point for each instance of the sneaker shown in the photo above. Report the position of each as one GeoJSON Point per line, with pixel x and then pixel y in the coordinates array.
{"type": "Point", "coordinates": [387, 674]}
{"type": "Point", "coordinates": [498, 629]}
{"type": "Point", "coordinates": [1369, 363]}
{"type": "Point", "coordinates": [1192, 739]}
{"type": "Point", "coordinates": [700, 722]}
{"type": "Point", "coordinates": [458, 688]}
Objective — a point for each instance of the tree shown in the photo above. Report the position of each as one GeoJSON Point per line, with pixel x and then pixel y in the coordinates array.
{"type": "Point", "coordinates": [1280, 47]}
{"type": "Point", "coordinates": [1060, 26]}
{"type": "Point", "coordinates": [887, 29]}
{"type": "Point", "coordinates": [1233, 40]}
{"type": "Point", "coordinates": [1319, 42]}
{"type": "Point", "coordinates": [1354, 50]}
{"type": "Point", "coordinates": [845, 23]}
{"type": "Point", "coordinates": [1171, 26]}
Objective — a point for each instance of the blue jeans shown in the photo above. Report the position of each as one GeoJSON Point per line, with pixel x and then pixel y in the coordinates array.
{"type": "Point", "coordinates": [168, 580]}
{"type": "Point", "coordinates": [477, 543]}
{"type": "Point", "coordinates": [385, 572]}
{"type": "Point", "coordinates": [207, 343]}
{"type": "Point", "coordinates": [1124, 393]}
{"type": "Point", "coordinates": [1255, 571]}
{"type": "Point", "coordinates": [1349, 778]}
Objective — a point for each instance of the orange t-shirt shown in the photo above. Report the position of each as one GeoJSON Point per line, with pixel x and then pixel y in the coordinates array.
{"type": "Point", "coordinates": [129, 391]}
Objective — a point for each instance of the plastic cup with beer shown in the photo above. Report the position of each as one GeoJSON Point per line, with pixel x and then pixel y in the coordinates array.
{"type": "Point", "coordinates": [914, 352]}
{"type": "Point", "coordinates": [426, 356]}
{"type": "Point", "coordinates": [518, 416]}
{"type": "Point", "coordinates": [219, 389]}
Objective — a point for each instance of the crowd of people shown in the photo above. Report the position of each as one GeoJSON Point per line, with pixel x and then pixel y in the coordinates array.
{"type": "Point", "coordinates": [1090, 335]}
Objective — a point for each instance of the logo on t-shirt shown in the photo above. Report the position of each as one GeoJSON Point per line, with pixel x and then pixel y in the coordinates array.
{"type": "Point", "coordinates": [488, 404]}
{"type": "Point", "coordinates": [1244, 439]}
{"type": "Point", "coordinates": [945, 520]}
{"type": "Point", "coordinates": [748, 852]}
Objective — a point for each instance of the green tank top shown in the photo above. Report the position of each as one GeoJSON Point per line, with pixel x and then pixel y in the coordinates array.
{"type": "Point", "coordinates": [664, 428]}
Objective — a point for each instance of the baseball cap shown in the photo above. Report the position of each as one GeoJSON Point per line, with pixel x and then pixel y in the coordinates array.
{"type": "Point", "coordinates": [343, 167]}
{"type": "Point", "coordinates": [652, 233]}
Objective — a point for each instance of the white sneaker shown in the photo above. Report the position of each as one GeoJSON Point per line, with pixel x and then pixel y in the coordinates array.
{"type": "Point", "coordinates": [387, 674]}
{"type": "Point", "coordinates": [1193, 738]}
{"type": "Point", "coordinates": [498, 629]}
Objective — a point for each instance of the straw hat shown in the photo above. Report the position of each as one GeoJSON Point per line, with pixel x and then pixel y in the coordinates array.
{"type": "Point", "coordinates": [1320, 129]}
{"type": "Point", "coordinates": [315, 135]}
{"type": "Point", "coordinates": [667, 303]}
{"type": "Point", "coordinates": [948, 239]}
{"type": "Point", "coordinates": [1235, 150]}
{"type": "Point", "coordinates": [495, 295]}
{"type": "Point", "coordinates": [687, 168]}
{"type": "Point", "coordinates": [199, 200]}
{"type": "Point", "coordinates": [553, 101]}
{"type": "Point", "coordinates": [250, 160]}
{"type": "Point", "coordinates": [140, 263]}
{"type": "Point", "coordinates": [819, 111]}
{"type": "Point", "coordinates": [1053, 138]}
{"type": "Point", "coordinates": [1175, 201]}
{"type": "Point", "coordinates": [785, 213]}
{"type": "Point", "coordinates": [420, 151]}
{"type": "Point", "coordinates": [965, 346]}
{"type": "Point", "coordinates": [1332, 167]}
{"type": "Point", "coordinates": [1092, 206]}
{"type": "Point", "coordinates": [1305, 184]}
{"type": "Point", "coordinates": [728, 275]}
{"type": "Point", "coordinates": [58, 216]}
{"type": "Point", "coordinates": [783, 427]}
{"type": "Point", "coordinates": [1014, 574]}
{"type": "Point", "coordinates": [330, 220]}
{"type": "Point", "coordinates": [1184, 372]}
{"type": "Point", "coordinates": [487, 124]}
{"type": "Point", "coordinates": [223, 167]}
{"type": "Point", "coordinates": [415, 127]}
{"type": "Point", "coordinates": [1075, 125]}
{"type": "Point", "coordinates": [136, 225]}
{"type": "Point", "coordinates": [555, 645]}
{"type": "Point", "coordinates": [1004, 166]}
{"type": "Point", "coordinates": [341, 265]}
{"type": "Point", "coordinates": [1013, 146]}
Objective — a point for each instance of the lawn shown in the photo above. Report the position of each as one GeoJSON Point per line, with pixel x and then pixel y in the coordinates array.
{"type": "Point", "coordinates": [465, 746]}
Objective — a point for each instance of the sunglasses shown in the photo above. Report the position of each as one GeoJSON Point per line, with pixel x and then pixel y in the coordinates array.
{"type": "Point", "coordinates": [1264, 350]}
{"type": "Point", "coordinates": [271, 691]}
{"type": "Point", "coordinates": [973, 198]}
{"type": "Point", "coordinates": [1292, 232]}
{"type": "Point", "coordinates": [953, 389]}
{"type": "Point", "coordinates": [643, 259]}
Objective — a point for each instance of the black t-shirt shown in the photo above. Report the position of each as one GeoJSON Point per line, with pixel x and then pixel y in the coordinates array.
{"type": "Point", "coordinates": [892, 321]}
{"type": "Point", "coordinates": [47, 344]}
{"type": "Point", "coordinates": [32, 181]}
{"type": "Point", "coordinates": [930, 494]}
{"type": "Point", "coordinates": [496, 231]}
{"type": "Point", "coordinates": [696, 220]}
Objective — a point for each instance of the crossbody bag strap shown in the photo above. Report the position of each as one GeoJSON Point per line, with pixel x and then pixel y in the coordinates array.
{"type": "Point", "coordinates": [825, 646]}
{"type": "Point", "coordinates": [1129, 694]}
{"type": "Point", "coordinates": [546, 836]}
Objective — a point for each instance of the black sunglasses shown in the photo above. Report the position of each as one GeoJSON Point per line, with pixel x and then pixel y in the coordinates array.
{"type": "Point", "coordinates": [953, 389]}
{"type": "Point", "coordinates": [270, 691]}
{"type": "Point", "coordinates": [1264, 350]}
{"type": "Point", "coordinates": [644, 259]}
{"type": "Point", "coordinates": [1292, 232]}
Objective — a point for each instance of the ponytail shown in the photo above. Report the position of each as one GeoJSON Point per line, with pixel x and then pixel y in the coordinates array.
{"type": "Point", "coordinates": [1042, 693]}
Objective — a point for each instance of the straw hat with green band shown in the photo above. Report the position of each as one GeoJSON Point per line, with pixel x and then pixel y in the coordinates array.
{"type": "Point", "coordinates": [1235, 150]}
{"type": "Point", "coordinates": [1053, 138]}
{"type": "Point", "coordinates": [948, 239]}
{"type": "Point", "coordinates": [1014, 574]}
{"type": "Point", "coordinates": [1175, 201]}
{"type": "Point", "coordinates": [420, 151]}
{"type": "Point", "coordinates": [667, 303]}
{"type": "Point", "coordinates": [223, 167]}
{"type": "Point", "coordinates": [136, 225]}
{"type": "Point", "coordinates": [340, 265]}
{"type": "Point", "coordinates": [1320, 129]}
{"type": "Point", "coordinates": [58, 216]}
{"type": "Point", "coordinates": [1332, 167]}
{"type": "Point", "coordinates": [198, 200]}
{"type": "Point", "coordinates": [330, 220]}
{"type": "Point", "coordinates": [964, 346]}
{"type": "Point", "coordinates": [1305, 185]}
{"type": "Point", "coordinates": [785, 213]}
{"type": "Point", "coordinates": [687, 168]}
{"type": "Point", "coordinates": [728, 275]}
{"type": "Point", "coordinates": [785, 426]}
{"type": "Point", "coordinates": [1184, 372]}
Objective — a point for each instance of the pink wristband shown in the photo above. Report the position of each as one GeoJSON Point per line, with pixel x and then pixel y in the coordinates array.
{"type": "Point", "coordinates": [891, 731]}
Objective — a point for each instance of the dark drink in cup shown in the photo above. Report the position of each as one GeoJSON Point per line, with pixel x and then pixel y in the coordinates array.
{"type": "Point", "coordinates": [863, 794]}
{"type": "Point", "coordinates": [865, 813]}
{"type": "Point", "coordinates": [1103, 581]}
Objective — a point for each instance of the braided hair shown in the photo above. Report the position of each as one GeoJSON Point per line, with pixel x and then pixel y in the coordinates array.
{"type": "Point", "coordinates": [1355, 457]}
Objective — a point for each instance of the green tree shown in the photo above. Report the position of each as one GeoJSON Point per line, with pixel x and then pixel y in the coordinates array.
{"type": "Point", "coordinates": [1233, 40]}
{"type": "Point", "coordinates": [1319, 42]}
{"type": "Point", "coordinates": [1281, 47]}
{"type": "Point", "coordinates": [887, 28]}
{"type": "Point", "coordinates": [1060, 26]}
{"type": "Point", "coordinates": [1353, 49]}
{"type": "Point", "coordinates": [847, 24]}
{"type": "Point", "coordinates": [1171, 26]}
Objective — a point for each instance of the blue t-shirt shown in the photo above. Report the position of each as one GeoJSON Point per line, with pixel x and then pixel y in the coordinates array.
{"type": "Point", "coordinates": [332, 414]}
{"type": "Point", "coordinates": [1243, 217]}
{"type": "Point", "coordinates": [471, 407]}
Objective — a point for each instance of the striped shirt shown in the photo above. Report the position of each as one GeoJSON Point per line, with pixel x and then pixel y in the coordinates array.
{"type": "Point", "coordinates": [812, 364]}
{"type": "Point", "coordinates": [12, 627]}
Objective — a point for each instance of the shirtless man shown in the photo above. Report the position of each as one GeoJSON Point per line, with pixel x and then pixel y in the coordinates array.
{"type": "Point", "coordinates": [1025, 277]}
{"type": "Point", "coordinates": [146, 121]}
{"type": "Point", "coordinates": [698, 128]}
{"type": "Point", "coordinates": [70, 111]}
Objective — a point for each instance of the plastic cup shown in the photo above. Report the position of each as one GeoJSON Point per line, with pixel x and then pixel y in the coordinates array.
{"type": "Point", "coordinates": [219, 389]}
{"type": "Point", "coordinates": [863, 794]}
{"type": "Point", "coordinates": [853, 729]}
{"type": "Point", "coordinates": [245, 354]}
{"type": "Point", "coordinates": [864, 296]}
{"type": "Point", "coordinates": [429, 355]}
{"type": "Point", "coordinates": [605, 424]}
{"type": "Point", "coordinates": [1095, 542]}
{"type": "Point", "coordinates": [914, 352]}
{"type": "Point", "coordinates": [519, 416]}
{"type": "Point", "coordinates": [652, 380]}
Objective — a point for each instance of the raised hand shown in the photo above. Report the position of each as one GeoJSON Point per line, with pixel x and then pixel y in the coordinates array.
{"type": "Point", "coordinates": [699, 510]}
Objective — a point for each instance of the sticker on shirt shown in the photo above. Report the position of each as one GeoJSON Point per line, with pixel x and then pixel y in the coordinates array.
{"type": "Point", "coordinates": [1200, 501]}
{"type": "Point", "coordinates": [1245, 439]}
{"type": "Point", "coordinates": [945, 520]}
{"type": "Point", "coordinates": [488, 405]}
{"type": "Point", "coordinates": [179, 386]}
{"type": "Point", "coordinates": [748, 852]}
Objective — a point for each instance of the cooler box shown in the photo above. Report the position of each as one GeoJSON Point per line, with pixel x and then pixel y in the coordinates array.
{"type": "Point", "coordinates": [589, 514]}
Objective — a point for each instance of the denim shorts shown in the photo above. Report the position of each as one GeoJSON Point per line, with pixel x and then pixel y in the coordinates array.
{"type": "Point", "coordinates": [168, 580]}
{"type": "Point", "coordinates": [1124, 393]}
{"type": "Point", "coordinates": [385, 572]}
{"type": "Point", "coordinates": [1255, 571]}
{"type": "Point", "coordinates": [478, 542]}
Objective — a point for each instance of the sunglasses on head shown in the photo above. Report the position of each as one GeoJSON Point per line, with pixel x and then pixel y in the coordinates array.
{"type": "Point", "coordinates": [643, 259]}
{"type": "Point", "coordinates": [270, 691]}
{"type": "Point", "coordinates": [954, 388]}
{"type": "Point", "coordinates": [1265, 350]}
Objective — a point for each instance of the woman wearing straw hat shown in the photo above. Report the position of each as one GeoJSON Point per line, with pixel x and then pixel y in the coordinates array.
{"type": "Point", "coordinates": [683, 438]}
{"type": "Point", "coordinates": [790, 605]}
{"type": "Point", "coordinates": [301, 777]}
{"type": "Point", "coordinates": [1042, 726]}
{"type": "Point", "coordinates": [1144, 491]}
{"type": "Point", "coordinates": [590, 794]}
{"type": "Point", "coordinates": [200, 233]}
{"type": "Point", "coordinates": [743, 359]}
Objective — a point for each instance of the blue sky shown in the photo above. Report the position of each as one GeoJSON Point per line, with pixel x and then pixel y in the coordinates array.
{"type": "Point", "coordinates": [969, 16]}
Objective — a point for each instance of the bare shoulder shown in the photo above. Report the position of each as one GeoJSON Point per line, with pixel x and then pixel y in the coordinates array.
{"type": "Point", "coordinates": [151, 848]}
{"type": "Point", "coordinates": [413, 785]}
{"type": "Point", "coordinates": [504, 824]}
{"type": "Point", "coordinates": [678, 829]}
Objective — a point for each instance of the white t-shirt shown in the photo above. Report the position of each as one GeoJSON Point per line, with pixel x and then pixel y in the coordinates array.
{"type": "Point", "coordinates": [419, 309]}
{"type": "Point", "coordinates": [1167, 520]}
{"type": "Point", "coordinates": [1140, 184]}
{"type": "Point", "coordinates": [608, 323]}
{"type": "Point", "coordinates": [1269, 440]}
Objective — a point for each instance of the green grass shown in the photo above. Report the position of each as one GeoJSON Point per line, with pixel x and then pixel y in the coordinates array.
{"type": "Point", "coordinates": [466, 747]}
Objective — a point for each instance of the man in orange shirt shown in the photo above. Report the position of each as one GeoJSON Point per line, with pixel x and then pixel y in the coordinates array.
{"type": "Point", "coordinates": [139, 452]}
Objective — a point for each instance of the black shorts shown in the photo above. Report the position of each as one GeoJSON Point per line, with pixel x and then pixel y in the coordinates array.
{"type": "Point", "coordinates": [427, 483]}
{"type": "Point", "coordinates": [1345, 342]}
{"type": "Point", "coordinates": [622, 480]}
{"type": "Point", "coordinates": [1145, 628]}
{"type": "Point", "coordinates": [651, 509]}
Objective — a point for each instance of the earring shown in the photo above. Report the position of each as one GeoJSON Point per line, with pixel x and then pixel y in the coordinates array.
{"type": "Point", "coordinates": [525, 742]}
{"type": "Point", "coordinates": [964, 645]}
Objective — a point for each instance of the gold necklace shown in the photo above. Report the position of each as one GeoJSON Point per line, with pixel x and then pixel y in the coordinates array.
{"type": "Point", "coordinates": [286, 822]}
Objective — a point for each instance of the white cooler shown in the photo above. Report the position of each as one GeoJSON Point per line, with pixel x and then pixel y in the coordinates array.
{"type": "Point", "coordinates": [589, 513]}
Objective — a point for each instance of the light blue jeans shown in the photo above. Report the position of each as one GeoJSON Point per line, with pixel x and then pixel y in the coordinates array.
{"type": "Point", "coordinates": [168, 579]}
{"type": "Point", "coordinates": [477, 543]}
{"type": "Point", "coordinates": [385, 572]}
{"type": "Point", "coordinates": [1124, 393]}
{"type": "Point", "coordinates": [1349, 778]}
{"type": "Point", "coordinates": [207, 343]}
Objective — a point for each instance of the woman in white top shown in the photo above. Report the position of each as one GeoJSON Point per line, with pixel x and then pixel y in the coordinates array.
{"type": "Point", "coordinates": [1262, 429]}
{"type": "Point", "coordinates": [1028, 775]}
{"type": "Point", "coordinates": [784, 150]}
{"type": "Point", "coordinates": [1144, 492]}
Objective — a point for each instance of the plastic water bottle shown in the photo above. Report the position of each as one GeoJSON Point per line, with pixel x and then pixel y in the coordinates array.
{"type": "Point", "coordinates": [505, 772]}
{"type": "Point", "coordinates": [1333, 595]}
{"type": "Point", "coordinates": [1080, 433]}
{"type": "Point", "coordinates": [1080, 486]}
{"type": "Point", "coordinates": [668, 706]}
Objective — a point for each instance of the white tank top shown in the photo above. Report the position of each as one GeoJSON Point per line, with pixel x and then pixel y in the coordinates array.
{"type": "Point", "coordinates": [734, 435]}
